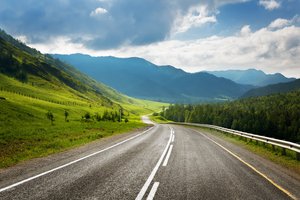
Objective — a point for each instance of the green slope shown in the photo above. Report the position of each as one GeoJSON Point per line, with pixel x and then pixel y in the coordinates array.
{"type": "Point", "coordinates": [31, 84]}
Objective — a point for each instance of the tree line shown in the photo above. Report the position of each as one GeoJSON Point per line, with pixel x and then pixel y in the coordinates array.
{"type": "Point", "coordinates": [275, 116]}
{"type": "Point", "coordinates": [112, 116]}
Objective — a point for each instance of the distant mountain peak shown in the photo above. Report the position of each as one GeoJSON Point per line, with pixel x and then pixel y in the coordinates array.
{"type": "Point", "coordinates": [273, 89]}
{"type": "Point", "coordinates": [252, 77]}
{"type": "Point", "coordinates": [140, 78]}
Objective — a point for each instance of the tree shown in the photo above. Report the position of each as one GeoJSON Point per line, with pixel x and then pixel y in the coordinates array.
{"type": "Point", "coordinates": [87, 115]}
{"type": "Point", "coordinates": [98, 117]}
{"type": "Point", "coordinates": [50, 116]}
{"type": "Point", "coordinates": [66, 116]}
{"type": "Point", "coordinates": [275, 115]}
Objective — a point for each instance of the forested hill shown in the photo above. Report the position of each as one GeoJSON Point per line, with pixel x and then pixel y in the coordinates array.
{"type": "Point", "coordinates": [273, 89]}
{"type": "Point", "coordinates": [29, 65]}
{"type": "Point", "coordinates": [275, 116]}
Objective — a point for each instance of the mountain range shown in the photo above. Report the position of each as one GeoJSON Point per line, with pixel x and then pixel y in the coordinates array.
{"type": "Point", "coordinates": [140, 78]}
{"type": "Point", "coordinates": [273, 89]}
{"type": "Point", "coordinates": [135, 77]}
{"type": "Point", "coordinates": [252, 77]}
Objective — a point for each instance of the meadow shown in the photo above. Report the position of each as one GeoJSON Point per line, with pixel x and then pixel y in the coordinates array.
{"type": "Point", "coordinates": [26, 132]}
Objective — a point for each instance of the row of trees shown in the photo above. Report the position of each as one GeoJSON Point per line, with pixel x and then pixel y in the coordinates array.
{"type": "Point", "coordinates": [106, 116]}
{"type": "Point", "coordinates": [273, 116]}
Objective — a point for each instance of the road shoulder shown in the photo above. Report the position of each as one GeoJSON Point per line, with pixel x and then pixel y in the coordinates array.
{"type": "Point", "coordinates": [280, 175]}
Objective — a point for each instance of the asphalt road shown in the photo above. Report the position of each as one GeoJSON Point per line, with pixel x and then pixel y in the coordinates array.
{"type": "Point", "coordinates": [165, 162]}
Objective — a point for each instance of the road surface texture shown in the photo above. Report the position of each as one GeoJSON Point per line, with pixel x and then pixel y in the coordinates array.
{"type": "Point", "coordinates": [163, 162]}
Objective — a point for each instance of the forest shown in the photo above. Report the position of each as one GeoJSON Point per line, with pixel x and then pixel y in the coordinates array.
{"type": "Point", "coordinates": [276, 116]}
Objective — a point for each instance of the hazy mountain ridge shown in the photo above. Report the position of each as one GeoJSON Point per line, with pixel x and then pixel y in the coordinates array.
{"type": "Point", "coordinates": [252, 77]}
{"type": "Point", "coordinates": [140, 78]}
{"type": "Point", "coordinates": [273, 89]}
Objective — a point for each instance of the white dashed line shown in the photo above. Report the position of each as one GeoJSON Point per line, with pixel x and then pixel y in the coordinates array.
{"type": "Point", "coordinates": [153, 191]}
{"type": "Point", "coordinates": [168, 156]}
{"type": "Point", "coordinates": [150, 178]}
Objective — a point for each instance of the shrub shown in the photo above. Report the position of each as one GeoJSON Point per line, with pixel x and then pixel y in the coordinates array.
{"type": "Point", "coordinates": [87, 115]}
{"type": "Point", "coordinates": [50, 116]}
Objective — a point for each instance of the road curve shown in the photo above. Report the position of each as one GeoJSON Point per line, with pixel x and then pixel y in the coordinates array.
{"type": "Point", "coordinates": [166, 162]}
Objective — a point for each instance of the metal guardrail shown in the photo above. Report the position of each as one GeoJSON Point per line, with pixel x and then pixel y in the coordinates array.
{"type": "Point", "coordinates": [280, 143]}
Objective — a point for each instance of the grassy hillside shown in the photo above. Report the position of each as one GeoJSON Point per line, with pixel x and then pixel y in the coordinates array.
{"type": "Point", "coordinates": [83, 110]}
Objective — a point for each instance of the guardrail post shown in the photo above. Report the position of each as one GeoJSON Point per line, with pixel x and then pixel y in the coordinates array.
{"type": "Point", "coordinates": [283, 152]}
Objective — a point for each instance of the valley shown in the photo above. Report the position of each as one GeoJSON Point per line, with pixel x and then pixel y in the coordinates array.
{"type": "Point", "coordinates": [107, 99]}
{"type": "Point", "coordinates": [82, 109]}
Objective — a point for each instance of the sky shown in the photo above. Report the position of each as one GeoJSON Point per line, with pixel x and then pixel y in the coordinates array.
{"type": "Point", "coordinates": [193, 35]}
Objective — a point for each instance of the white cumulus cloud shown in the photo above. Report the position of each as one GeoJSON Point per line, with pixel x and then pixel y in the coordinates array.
{"type": "Point", "coordinates": [266, 49]}
{"type": "Point", "coordinates": [196, 17]}
{"type": "Point", "coordinates": [280, 23]}
{"type": "Point", "coordinates": [245, 31]}
{"type": "Point", "coordinates": [269, 50]}
{"type": "Point", "coordinates": [98, 11]}
{"type": "Point", "coordinates": [269, 4]}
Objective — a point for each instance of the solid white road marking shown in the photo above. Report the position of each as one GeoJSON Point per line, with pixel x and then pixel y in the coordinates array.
{"type": "Point", "coordinates": [168, 156]}
{"type": "Point", "coordinates": [173, 138]}
{"type": "Point", "coordinates": [150, 178]}
{"type": "Point", "coordinates": [153, 191]}
{"type": "Point", "coordinates": [70, 163]}
{"type": "Point", "coordinates": [252, 167]}
{"type": "Point", "coordinates": [172, 130]}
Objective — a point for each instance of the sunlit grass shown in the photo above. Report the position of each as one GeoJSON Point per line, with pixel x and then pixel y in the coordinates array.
{"type": "Point", "coordinates": [25, 131]}
{"type": "Point", "coordinates": [158, 119]}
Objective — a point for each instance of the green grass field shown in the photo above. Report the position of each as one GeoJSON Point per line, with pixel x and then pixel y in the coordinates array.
{"type": "Point", "coordinates": [158, 119]}
{"type": "Point", "coordinates": [33, 84]}
{"type": "Point", "coordinates": [26, 133]}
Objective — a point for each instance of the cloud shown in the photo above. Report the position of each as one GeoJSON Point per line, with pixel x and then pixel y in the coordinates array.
{"type": "Point", "coordinates": [245, 31]}
{"type": "Point", "coordinates": [61, 44]}
{"type": "Point", "coordinates": [107, 23]}
{"type": "Point", "coordinates": [196, 17]}
{"type": "Point", "coordinates": [269, 4]}
{"type": "Point", "coordinates": [271, 50]}
{"type": "Point", "coordinates": [279, 23]}
{"type": "Point", "coordinates": [98, 11]}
